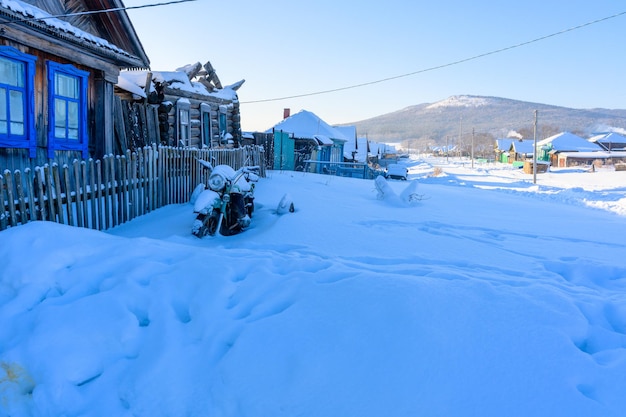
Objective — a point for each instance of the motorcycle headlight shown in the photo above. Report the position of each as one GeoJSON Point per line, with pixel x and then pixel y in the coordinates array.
{"type": "Point", "coordinates": [217, 182]}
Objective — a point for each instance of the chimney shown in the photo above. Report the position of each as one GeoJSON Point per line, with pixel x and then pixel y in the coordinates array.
{"type": "Point", "coordinates": [286, 113]}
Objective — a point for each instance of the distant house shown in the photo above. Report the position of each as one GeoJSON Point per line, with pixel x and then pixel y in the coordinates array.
{"type": "Point", "coordinates": [194, 109]}
{"type": "Point", "coordinates": [512, 150]}
{"type": "Point", "coordinates": [562, 149]}
{"type": "Point", "coordinates": [502, 148]}
{"type": "Point", "coordinates": [356, 149]}
{"type": "Point", "coordinates": [384, 153]}
{"type": "Point", "coordinates": [521, 150]}
{"type": "Point", "coordinates": [610, 141]}
{"type": "Point", "coordinates": [57, 77]}
{"type": "Point", "coordinates": [304, 140]}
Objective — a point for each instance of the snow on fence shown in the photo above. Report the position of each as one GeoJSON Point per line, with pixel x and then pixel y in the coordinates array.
{"type": "Point", "coordinates": [105, 193]}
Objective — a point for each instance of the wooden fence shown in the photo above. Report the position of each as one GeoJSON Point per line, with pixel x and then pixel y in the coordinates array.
{"type": "Point", "coordinates": [105, 193]}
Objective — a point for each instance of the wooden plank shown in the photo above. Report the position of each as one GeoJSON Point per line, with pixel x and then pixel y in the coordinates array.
{"type": "Point", "coordinates": [106, 191]}
{"type": "Point", "coordinates": [100, 195]}
{"type": "Point", "coordinates": [78, 200]}
{"type": "Point", "coordinates": [30, 191]}
{"type": "Point", "coordinates": [93, 194]}
{"type": "Point", "coordinates": [50, 192]}
{"type": "Point", "coordinates": [123, 169]}
{"type": "Point", "coordinates": [133, 185]}
{"type": "Point", "coordinates": [142, 131]}
{"type": "Point", "coordinates": [154, 133]}
{"type": "Point", "coordinates": [141, 202]}
{"type": "Point", "coordinates": [68, 196]}
{"type": "Point", "coordinates": [113, 191]}
{"type": "Point", "coordinates": [160, 183]}
{"type": "Point", "coordinates": [3, 213]}
{"type": "Point", "coordinates": [58, 195]}
{"type": "Point", "coordinates": [8, 180]}
{"type": "Point", "coordinates": [152, 180]}
{"type": "Point", "coordinates": [39, 189]}
{"type": "Point", "coordinates": [84, 193]}
{"type": "Point", "coordinates": [21, 197]}
{"type": "Point", "coordinates": [119, 125]}
{"type": "Point", "coordinates": [120, 168]}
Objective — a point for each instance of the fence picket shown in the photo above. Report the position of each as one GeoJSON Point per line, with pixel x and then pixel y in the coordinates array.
{"type": "Point", "coordinates": [8, 180]}
{"type": "Point", "coordinates": [21, 199]}
{"type": "Point", "coordinates": [99, 196]}
{"type": "Point", "coordinates": [68, 195]}
{"type": "Point", "coordinates": [30, 195]}
{"type": "Point", "coordinates": [92, 194]}
{"type": "Point", "coordinates": [3, 214]}
{"type": "Point", "coordinates": [76, 195]}
{"type": "Point", "coordinates": [58, 198]}
{"type": "Point", "coordinates": [39, 187]}
{"type": "Point", "coordinates": [85, 196]}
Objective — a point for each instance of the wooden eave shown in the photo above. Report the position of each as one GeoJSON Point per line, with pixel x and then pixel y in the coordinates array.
{"type": "Point", "coordinates": [120, 29]}
{"type": "Point", "coordinates": [32, 32]}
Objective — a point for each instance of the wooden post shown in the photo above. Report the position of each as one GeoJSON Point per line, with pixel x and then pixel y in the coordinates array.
{"type": "Point", "coordinates": [68, 195]}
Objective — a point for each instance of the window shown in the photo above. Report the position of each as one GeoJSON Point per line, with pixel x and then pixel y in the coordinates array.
{"type": "Point", "coordinates": [67, 105]}
{"type": "Point", "coordinates": [222, 121]}
{"type": "Point", "coordinates": [207, 131]}
{"type": "Point", "coordinates": [17, 100]}
{"type": "Point", "coordinates": [184, 127]}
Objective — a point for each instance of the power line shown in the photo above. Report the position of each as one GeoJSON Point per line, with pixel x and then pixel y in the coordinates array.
{"type": "Point", "coordinates": [116, 9]}
{"type": "Point", "coordinates": [461, 61]}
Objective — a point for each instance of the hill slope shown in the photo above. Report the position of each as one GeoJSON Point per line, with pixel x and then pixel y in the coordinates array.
{"type": "Point", "coordinates": [487, 116]}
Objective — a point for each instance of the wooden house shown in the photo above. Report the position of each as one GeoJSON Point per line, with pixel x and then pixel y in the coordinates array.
{"type": "Point", "coordinates": [610, 141]}
{"type": "Point", "coordinates": [502, 148]}
{"type": "Point", "coordinates": [521, 150]}
{"type": "Point", "coordinates": [510, 150]}
{"type": "Point", "coordinates": [555, 148]}
{"type": "Point", "coordinates": [59, 62]}
{"type": "Point", "coordinates": [194, 109]}
{"type": "Point", "coordinates": [316, 144]}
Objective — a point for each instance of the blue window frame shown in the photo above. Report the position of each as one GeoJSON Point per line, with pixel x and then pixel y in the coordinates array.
{"type": "Point", "coordinates": [67, 107]}
{"type": "Point", "coordinates": [17, 100]}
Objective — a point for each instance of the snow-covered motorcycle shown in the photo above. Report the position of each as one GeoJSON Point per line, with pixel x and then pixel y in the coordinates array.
{"type": "Point", "coordinates": [226, 203]}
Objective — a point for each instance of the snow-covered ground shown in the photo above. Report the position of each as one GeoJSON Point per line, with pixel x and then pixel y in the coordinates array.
{"type": "Point", "coordinates": [487, 295]}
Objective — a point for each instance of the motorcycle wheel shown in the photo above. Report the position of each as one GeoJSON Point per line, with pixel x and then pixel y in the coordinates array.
{"type": "Point", "coordinates": [199, 228]}
{"type": "Point", "coordinates": [211, 223]}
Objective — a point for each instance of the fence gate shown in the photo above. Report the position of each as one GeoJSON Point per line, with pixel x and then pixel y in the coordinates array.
{"type": "Point", "coordinates": [284, 155]}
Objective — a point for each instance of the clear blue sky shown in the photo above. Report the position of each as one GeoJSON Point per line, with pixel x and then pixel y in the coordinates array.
{"type": "Point", "coordinates": [287, 48]}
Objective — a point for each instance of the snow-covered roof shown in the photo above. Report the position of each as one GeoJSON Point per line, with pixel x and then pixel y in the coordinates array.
{"type": "Point", "coordinates": [177, 80]}
{"type": "Point", "coordinates": [348, 131]}
{"type": "Point", "coordinates": [523, 146]}
{"type": "Point", "coordinates": [306, 125]}
{"type": "Point", "coordinates": [323, 140]}
{"type": "Point", "coordinates": [610, 141]}
{"type": "Point", "coordinates": [40, 17]}
{"type": "Point", "coordinates": [380, 148]}
{"type": "Point", "coordinates": [567, 141]}
{"type": "Point", "coordinates": [360, 147]}
{"type": "Point", "coordinates": [594, 155]}
{"type": "Point", "coordinates": [504, 144]}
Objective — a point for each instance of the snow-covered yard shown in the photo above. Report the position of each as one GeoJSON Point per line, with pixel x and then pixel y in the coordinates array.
{"type": "Point", "coordinates": [487, 296]}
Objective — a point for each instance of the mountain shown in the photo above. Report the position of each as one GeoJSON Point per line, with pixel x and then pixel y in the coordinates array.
{"type": "Point", "coordinates": [487, 116]}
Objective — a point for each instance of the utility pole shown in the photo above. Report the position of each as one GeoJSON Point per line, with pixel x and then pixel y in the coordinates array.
{"type": "Point", "coordinates": [447, 150]}
{"type": "Point", "coordinates": [460, 133]}
{"type": "Point", "coordinates": [472, 148]}
{"type": "Point", "coordinates": [535, 150]}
